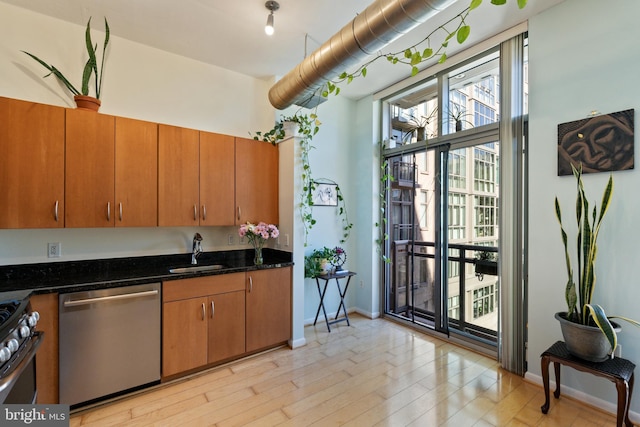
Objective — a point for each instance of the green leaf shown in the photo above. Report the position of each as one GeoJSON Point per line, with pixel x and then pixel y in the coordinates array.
{"type": "Point", "coordinates": [474, 4]}
{"type": "Point", "coordinates": [343, 75]}
{"type": "Point", "coordinates": [364, 72]}
{"type": "Point", "coordinates": [337, 91]}
{"type": "Point", "coordinates": [599, 316]}
{"type": "Point", "coordinates": [407, 53]}
{"type": "Point", "coordinates": [416, 58]}
{"type": "Point", "coordinates": [428, 53]}
{"type": "Point", "coordinates": [522, 3]}
{"type": "Point", "coordinates": [443, 58]}
{"type": "Point", "coordinates": [450, 36]}
{"type": "Point", "coordinates": [325, 94]}
{"type": "Point", "coordinates": [463, 33]}
{"type": "Point", "coordinates": [498, 2]}
{"type": "Point", "coordinates": [414, 71]}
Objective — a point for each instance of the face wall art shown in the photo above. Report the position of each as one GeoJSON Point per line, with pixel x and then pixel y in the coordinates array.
{"type": "Point", "coordinates": [601, 143]}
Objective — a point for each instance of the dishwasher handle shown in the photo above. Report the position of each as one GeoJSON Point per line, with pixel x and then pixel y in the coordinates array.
{"type": "Point", "coordinates": [87, 301]}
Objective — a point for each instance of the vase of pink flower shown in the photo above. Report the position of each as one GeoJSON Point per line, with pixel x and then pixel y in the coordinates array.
{"type": "Point", "coordinates": [258, 235]}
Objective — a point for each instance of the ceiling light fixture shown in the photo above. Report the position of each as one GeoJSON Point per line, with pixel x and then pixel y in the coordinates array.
{"type": "Point", "coordinates": [272, 6]}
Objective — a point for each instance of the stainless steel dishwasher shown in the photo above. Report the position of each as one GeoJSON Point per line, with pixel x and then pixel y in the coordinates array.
{"type": "Point", "coordinates": [109, 341]}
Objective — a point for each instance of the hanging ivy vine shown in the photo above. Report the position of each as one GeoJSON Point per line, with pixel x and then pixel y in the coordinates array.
{"type": "Point", "coordinates": [386, 178]}
{"type": "Point", "coordinates": [421, 51]}
{"type": "Point", "coordinates": [308, 127]}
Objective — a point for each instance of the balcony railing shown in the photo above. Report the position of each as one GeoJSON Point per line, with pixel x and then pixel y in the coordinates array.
{"type": "Point", "coordinates": [476, 296]}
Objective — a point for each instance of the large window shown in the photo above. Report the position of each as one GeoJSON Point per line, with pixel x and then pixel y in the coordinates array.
{"type": "Point", "coordinates": [458, 169]}
{"type": "Point", "coordinates": [486, 218]}
{"type": "Point", "coordinates": [484, 301]}
{"type": "Point", "coordinates": [484, 169]}
{"type": "Point", "coordinates": [457, 216]}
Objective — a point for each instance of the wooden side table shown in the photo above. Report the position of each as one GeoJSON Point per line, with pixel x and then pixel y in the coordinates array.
{"type": "Point", "coordinates": [342, 292]}
{"type": "Point", "coordinates": [618, 370]}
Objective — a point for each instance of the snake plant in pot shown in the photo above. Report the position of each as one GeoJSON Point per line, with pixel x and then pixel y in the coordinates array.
{"type": "Point", "coordinates": [588, 332]}
{"type": "Point", "coordinates": [82, 98]}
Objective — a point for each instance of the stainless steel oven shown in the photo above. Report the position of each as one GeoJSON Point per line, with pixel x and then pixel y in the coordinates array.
{"type": "Point", "coordinates": [19, 342]}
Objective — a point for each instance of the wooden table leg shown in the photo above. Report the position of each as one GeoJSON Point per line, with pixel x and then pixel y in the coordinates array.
{"type": "Point", "coordinates": [545, 380]}
{"type": "Point", "coordinates": [627, 421]}
{"type": "Point", "coordinates": [623, 393]}
{"type": "Point", "coordinates": [556, 367]}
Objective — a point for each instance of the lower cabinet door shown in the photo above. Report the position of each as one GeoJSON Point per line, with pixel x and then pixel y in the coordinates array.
{"type": "Point", "coordinates": [184, 335]}
{"type": "Point", "coordinates": [268, 307]}
{"type": "Point", "coordinates": [226, 325]}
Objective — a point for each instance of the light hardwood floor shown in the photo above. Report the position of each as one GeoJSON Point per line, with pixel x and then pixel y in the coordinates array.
{"type": "Point", "coordinates": [374, 373]}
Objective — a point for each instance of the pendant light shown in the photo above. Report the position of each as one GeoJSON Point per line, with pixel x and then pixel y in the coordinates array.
{"type": "Point", "coordinates": [272, 6]}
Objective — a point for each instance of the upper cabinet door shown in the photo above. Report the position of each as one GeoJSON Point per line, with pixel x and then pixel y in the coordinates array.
{"type": "Point", "coordinates": [217, 179]}
{"type": "Point", "coordinates": [178, 176]}
{"type": "Point", "coordinates": [89, 179]}
{"type": "Point", "coordinates": [31, 165]}
{"type": "Point", "coordinates": [136, 175]}
{"type": "Point", "coordinates": [256, 181]}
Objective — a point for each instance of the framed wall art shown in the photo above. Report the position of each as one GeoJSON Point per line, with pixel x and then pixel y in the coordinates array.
{"type": "Point", "coordinates": [601, 143]}
{"type": "Point", "coordinates": [325, 194]}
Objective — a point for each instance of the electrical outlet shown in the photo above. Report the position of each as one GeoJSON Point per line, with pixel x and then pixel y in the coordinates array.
{"type": "Point", "coordinates": [54, 250]}
{"type": "Point", "coordinates": [286, 240]}
{"type": "Point", "coordinates": [230, 239]}
{"type": "Point", "coordinates": [241, 241]}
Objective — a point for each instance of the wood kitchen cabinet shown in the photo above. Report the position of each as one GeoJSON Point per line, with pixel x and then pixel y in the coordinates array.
{"type": "Point", "coordinates": [268, 308]}
{"type": "Point", "coordinates": [47, 357]}
{"type": "Point", "coordinates": [111, 171]}
{"type": "Point", "coordinates": [136, 173]}
{"type": "Point", "coordinates": [90, 162]}
{"type": "Point", "coordinates": [256, 181]}
{"type": "Point", "coordinates": [178, 176]}
{"type": "Point", "coordinates": [217, 179]}
{"type": "Point", "coordinates": [203, 321]}
{"type": "Point", "coordinates": [31, 165]}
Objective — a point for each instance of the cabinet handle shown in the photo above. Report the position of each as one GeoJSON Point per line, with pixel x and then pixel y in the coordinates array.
{"type": "Point", "coordinates": [55, 211]}
{"type": "Point", "coordinates": [109, 211]}
{"type": "Point", "coordinates": [195, 212]}
{"type": "Point", "coordinates": [238, 212]}
{"type": "Point", "coordinates": [204, 212]}
{"type": "Point", "coordinates": [250, 284]}
{"type": "Point", "coordinates": [120, 209]}
{"type": "Point", "coordinates": [213, 308]}
{"type": "Point", "coordinates": [203, 311]}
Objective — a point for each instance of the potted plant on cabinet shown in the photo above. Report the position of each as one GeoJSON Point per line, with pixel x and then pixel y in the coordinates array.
{"type": "Point", "coordinates": [587, 331]}
{"type": "Point", "coordinates": [82, 98]}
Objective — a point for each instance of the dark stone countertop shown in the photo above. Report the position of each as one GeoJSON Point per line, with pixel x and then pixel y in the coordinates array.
{"type": "Point", "coordinates": [74, 276]}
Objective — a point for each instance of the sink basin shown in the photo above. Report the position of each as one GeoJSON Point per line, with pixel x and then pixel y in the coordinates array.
{"type": "Point", "coordinates": [196, 268]}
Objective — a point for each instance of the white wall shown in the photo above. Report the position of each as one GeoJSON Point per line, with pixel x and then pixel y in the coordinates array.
{"type": "Point", "coordinates": [139, 82]}
{"type": "Point", "coordinates": [148, 84]}
{"type": "Point", "coordinates": [584, 55]}
{"type": "Point", "coordinates": [332, 159]}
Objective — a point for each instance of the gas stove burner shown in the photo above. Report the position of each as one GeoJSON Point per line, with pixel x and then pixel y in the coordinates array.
{"type": "Point", "coordinates": [7, 308]}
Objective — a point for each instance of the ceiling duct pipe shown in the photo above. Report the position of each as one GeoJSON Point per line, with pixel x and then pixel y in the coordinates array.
{"type": "Point", "coordinates": [380, 24]}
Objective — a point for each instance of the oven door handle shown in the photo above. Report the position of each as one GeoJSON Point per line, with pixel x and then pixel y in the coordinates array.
{"type": "Point", "coordinates": [7, 382]}
{"type": "Point", "coordinates": [87, 301]}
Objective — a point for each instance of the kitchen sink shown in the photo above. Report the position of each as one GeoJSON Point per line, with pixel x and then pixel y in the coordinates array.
{"type": "Point", "coordinates": [197, 268]}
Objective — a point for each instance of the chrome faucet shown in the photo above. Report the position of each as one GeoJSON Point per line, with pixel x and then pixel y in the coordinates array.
{"type": "Point", "coordinates": [197, 248]}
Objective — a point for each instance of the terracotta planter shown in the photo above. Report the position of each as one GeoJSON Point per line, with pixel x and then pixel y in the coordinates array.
{"type": "Point", "coordinates": [583, 341]}
{"type": "Point", "coordinates": [87, 102]}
